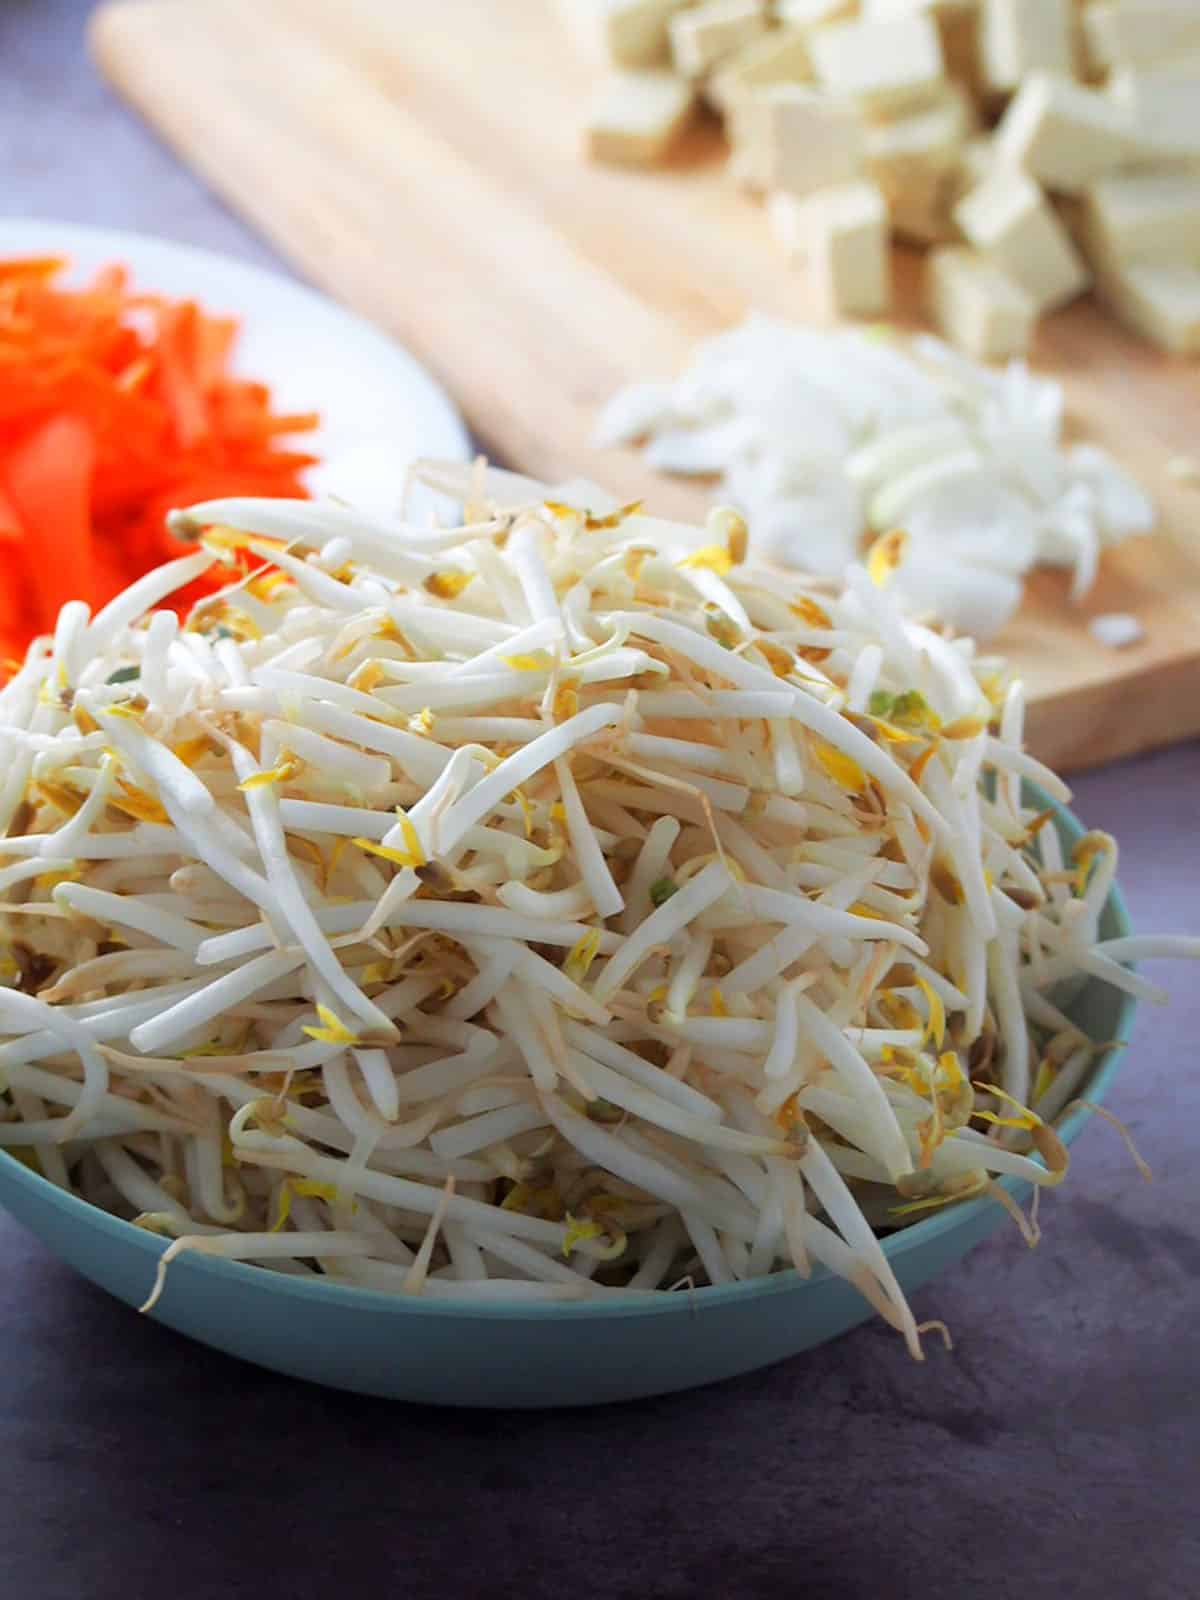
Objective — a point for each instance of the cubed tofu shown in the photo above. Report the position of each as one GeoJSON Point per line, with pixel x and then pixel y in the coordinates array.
{"type": "Point", "coordinates": [976, 306]}
{"type": "Point", "coordinates": [703, 36]}
{"type": "Point", "coordinates": [1071, 212]}
{"type": "Point", "coordinates": [872, 9]}
{"type": "Point", "coordinates": [813, 13]}
{"type": "Point", "coordinates": [622, 33]}
{"type": "Point", "coordinates": [637, 116]}
{"type": "Point", "coordinates": [1009, 220]}
{"type": "Point", "coordinates": [976, 162]}
{"type": "Point", "coordinates": [1162, 303]}
{"type": "Point", "coordinates": [957, 23]}
{"type": "Point", "coordinates": [960, 48]}
{"type": "Point", "coordinates": [842, 233]}
{"type": "Point", "coordinates": [886, 67]}
{"type": "Point", "coordinates": [914, 159]}
{"type": "Point", "coordinates": [1163, 101]}
{"type": "Point", "coordinates": [795, 138]}
{"type": "Point", "coordinates": [1140, 216]}
{"type": "Point", "coordinates": [922, 139]}
{"type": "Point", "coordinates": [1065, 135]}
{"type": "Point", "coordinates": [1017, 37]}
{"type": "Point", "coordinates": [922, 209]}
{"type": "Point", "coordinates": [781, 56]}
{"type": "Point", "coordinates": [1130, 33]}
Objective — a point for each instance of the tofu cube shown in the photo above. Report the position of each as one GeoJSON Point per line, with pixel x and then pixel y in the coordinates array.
{"type": "Point", "coordinates": [1065, 135]}
{"type": "Point", "coordinates": [923, 139]}
{"type": "Point", "coordinates": [887, 67]}
{"type": "Point", "coordinates": [957, 23]}
{"type": "Point", "coordinates": [914, 160]}
{"type": "Point", "coordinates": [622, 33]}
{"type": "Point", "coordinates": [879, 10]}
{"type": "Point", "coordinates": [1164, 103]}
{"type": "Point", "coordinates": [1009, 220]}
{"type": "Point", "coordinates": [977, 307]}
{"type": "Point", "coordinates": [922, 210]}
{"type": "Point", "coordinates": [872, 9]}
{"type": "Point", "coordinates": [637, 116]}
{"type": "Point", "coordinates": [976, 163]}
{"type": "Point", "coordinates": [781, 56]}
{"type": "Point", "coordinates": [1017, 37]}
{"type": "Point", "coordinates": [813, 13]}
{"type": "Point", "coordinates": [1130, 33]}
{"type": "Point", "coordinates": [1162, 303]}
{"type": "Point", "coordinates": [1071, 211]}
{"type": "Point", "coordinates": [795, 138]}
{"type": "Point", "coordinates": [842, 233]}
{"type": "Point", "coordinates": [703, 36]}
{"type": "Point", "coordinates": [1140, 216]}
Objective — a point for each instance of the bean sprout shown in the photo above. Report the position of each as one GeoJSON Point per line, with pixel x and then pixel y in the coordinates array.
{"type": "Point", "coordinates": [547, 909]}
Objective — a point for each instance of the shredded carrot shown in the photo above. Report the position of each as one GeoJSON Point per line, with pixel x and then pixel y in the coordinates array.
{"type": "Point", "coordinates": [115, 407]}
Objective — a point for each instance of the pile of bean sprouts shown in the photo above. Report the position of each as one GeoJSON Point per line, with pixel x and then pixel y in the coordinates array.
{"type": "Point", "coordinates": [550, 907]}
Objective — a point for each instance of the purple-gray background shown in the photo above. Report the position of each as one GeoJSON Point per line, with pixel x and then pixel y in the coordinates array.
{"type": "Point", "coordinates": [1055, 1453]}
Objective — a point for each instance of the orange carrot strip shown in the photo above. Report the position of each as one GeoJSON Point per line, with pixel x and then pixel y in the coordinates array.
{"type": "Point", "coordinates": [36, 268]}
{"type": "Point", "coordinates": [115, 407]}
{"type": "Point", "coordinates": [48, 480]}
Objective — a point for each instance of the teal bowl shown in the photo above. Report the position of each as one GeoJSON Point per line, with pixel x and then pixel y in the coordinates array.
{"type": "Point", "coordinates": [556, 1354]}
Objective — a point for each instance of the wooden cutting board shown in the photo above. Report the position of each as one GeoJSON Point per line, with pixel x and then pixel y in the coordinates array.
{"type": "Point", "coordinates": [421, 163]}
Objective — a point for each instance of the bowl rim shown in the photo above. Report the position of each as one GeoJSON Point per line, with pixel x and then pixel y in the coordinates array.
{"type": "Point", "coordinates": [352, 1297]}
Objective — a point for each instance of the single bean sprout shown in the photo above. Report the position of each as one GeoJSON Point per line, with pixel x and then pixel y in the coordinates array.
{"type": "Point", "coordinates": [552, 909]}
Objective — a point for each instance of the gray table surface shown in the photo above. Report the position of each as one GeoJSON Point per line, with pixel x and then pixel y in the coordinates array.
{"type": "Point", "coordinates": [1055, 1453]}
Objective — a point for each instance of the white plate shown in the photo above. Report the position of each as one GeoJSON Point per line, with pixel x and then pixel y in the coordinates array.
{"type": "Point", "coordinates": [380, 409]}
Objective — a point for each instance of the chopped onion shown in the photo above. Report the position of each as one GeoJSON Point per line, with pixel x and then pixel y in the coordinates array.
{"type": "Point", "coordinates": [818, 435]}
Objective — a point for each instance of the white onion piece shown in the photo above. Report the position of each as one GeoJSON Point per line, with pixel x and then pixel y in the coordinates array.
{"type": "Point", "coordinates": [820, 437]}
{"type": "Point", "coordinates": [641, 409]}
{"type": "Point", "coordinates": [1117, 629]}
{"type": "Point", "coordinates": [977, 520]}
{"type": "Point", "coordinates": [1122, 505]}
{"type": "Point", "coordinates": [971, 599]}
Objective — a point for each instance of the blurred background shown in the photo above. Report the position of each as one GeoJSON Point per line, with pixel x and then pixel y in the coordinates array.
{"type": "Point", "coordinates": [69, 150]}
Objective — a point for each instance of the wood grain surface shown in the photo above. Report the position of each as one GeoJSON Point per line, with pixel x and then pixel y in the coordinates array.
{"type": "Point", "coordinates": [422, 164]}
